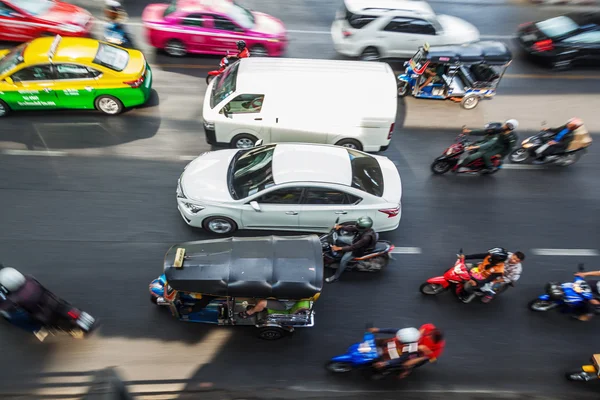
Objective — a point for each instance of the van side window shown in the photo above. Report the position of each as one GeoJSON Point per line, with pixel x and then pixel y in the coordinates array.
{"type": "Point", "coordinates": [245, 104]}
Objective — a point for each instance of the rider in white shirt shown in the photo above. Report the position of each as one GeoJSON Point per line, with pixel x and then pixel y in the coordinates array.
{"type": "Point", "coordinates": [512, 272]}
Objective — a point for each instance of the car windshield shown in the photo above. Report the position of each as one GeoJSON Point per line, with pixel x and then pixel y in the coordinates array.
{"type": "Point", "coordinates": [11, 60]}
{"type": "Point", "coordinates": [224, 86]}
{"type": "Point", "coordinates": [34, 7]}
{"type": "Point", "coordinates": [111, 57]}
{"type": "Point", "coordinates": [251, 171]}
{"type": "Point", "coordinates": [171, 9]}
{"type": "Point", "coordinates": [366, 173]}
{"type": "Point", "coordinates": [558, 26]}
{"type": "Point", "coordinates": [242, 16]}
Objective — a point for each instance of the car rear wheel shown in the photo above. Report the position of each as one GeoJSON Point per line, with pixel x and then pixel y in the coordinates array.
{"type": "Point", "coordinates": [370, 54]}
{"type": "Point", "coordinates": [4, 109]}
{"type": "Point", "coordinates": [258, 51]}
{"type": "Point", "coordinates": [175, 48]}
{"type": "Point", "coordinates": [219, 225]}
{"type": "Point", "coordinates": [109, 105]}
{"type": "Point", "coordinates": [243, 141]}
{"type": "Point", "coordinates": [350, 144]}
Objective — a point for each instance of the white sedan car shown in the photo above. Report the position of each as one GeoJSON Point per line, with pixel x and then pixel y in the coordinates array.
{"type": "Point", "coordinates": [291, 187]}
{"type": "Point", "coordinates": [375, 29]}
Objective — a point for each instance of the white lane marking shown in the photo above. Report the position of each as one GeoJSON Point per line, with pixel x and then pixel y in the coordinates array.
{"type": "Point", "coordinates": [407, 250]}
{"type": "Point", "coordinates": [303, 32]}
{"type": "Point", "coordinates": [566, 252]}
{"type": "Point", "coordinates": [47, 153]}
{"type": "Point", "coordinates": [522, 166]}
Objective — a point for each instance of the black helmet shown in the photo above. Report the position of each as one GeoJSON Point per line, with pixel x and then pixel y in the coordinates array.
{"type": "Point", "coordinates": [241, 45]}
{"type": "Point", "coordinates": [498, 254]}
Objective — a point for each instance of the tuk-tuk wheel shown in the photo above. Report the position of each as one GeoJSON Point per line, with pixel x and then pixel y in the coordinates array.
{"type": "Point", "coordinates": [469, 102]}
{"type": "Point", "coordinates": [153, 299]}
{"type": "Point", "coordinates": [271, 333]}
{"type": "Point", "coordinates": [402, 89]}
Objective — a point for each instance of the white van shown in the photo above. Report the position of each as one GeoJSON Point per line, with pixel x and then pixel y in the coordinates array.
{"type": "Point", "coordinates": [347, 103]}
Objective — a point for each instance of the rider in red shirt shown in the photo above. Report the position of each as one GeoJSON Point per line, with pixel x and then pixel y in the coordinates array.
{"type": "Point", "coordinates": [243, 51]}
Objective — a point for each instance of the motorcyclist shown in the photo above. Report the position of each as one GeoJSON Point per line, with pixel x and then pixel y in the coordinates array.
{"type": "Point", "coordinates": [593, 305]}
{"type": "Point", "coordinates": [499, 139]}
{"type": "Point", "coordinates": [117, 16]}
{"type": "Point", "coordinates": [491, 269]}
{"type": "Point", "coordinates": [26, 293]}
{"type": "Point", "coordinates": [243, 51]}
{"type": "Point", "coordinates": [563, 135]}
{"type": "Point", "coordinates": [402, 350]}
{"type": "Point", "coordinates": [363, 240]}
{"type": "Point", "coordinates": [512, 273]}
{"type": "Point", "coordinates": [115, 12]}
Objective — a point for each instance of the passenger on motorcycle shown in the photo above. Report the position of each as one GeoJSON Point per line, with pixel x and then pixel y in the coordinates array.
{"type": "Point", "coordinates": [243, 51]}
{"type": "Point", "coordinates": [499, 139]}
{"type": "Point", "coordinates": [563, 136]}
{"type": "Point", "coordinates": [365, 239]}
{"type": "Point", "coordinates": [400, 350]}
{"type": "Point", "coordinates": [26, 293]}
{"type": "Point", "coordinates": [512, 273]}
{"type": "Point", "coordinates": [491, 269]}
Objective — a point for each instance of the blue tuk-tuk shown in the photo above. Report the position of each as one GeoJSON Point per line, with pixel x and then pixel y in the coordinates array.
{"type": "Point", "coordinates": [465, 74]}
{"type": "Point", "coordinates": [213, 281]}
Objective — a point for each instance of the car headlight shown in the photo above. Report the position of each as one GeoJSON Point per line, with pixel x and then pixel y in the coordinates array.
{"type": "Point", "coordinates": [209, 125]}
{"type": "Point", "coordinates": [193, 208]}
{"type": "Point", "coordinates": [70, 28]}
{"type": "Point", "coordinates": [180, 194]}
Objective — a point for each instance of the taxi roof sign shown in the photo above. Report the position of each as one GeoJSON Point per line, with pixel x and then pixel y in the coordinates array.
{"type": "Point", "coordinates": [54, 46]}
{"type": "Point", "coordinates": [179, 257]}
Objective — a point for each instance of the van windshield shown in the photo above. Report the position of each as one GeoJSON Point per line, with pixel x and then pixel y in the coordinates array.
{"type": "Point", "coordinates": [251, 171]}
{"type": "Point", "coordinates": [224, 86]}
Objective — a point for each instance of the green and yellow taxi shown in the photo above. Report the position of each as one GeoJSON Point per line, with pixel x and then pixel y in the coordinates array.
{"type": "Point", "coordinates": [72, 73]}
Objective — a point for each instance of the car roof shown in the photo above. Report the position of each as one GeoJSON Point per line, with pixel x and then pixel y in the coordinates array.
{"type": "Point", "coordinates": [278, 267]}
{"type": "Point", "coordinates": [69, 49]}
{"type": "Point", "coordinates": [298, 162]}
{"type": "Point", "coordinates": [380, 7]}
{"type": "Point", "coordinates": [217, 6]}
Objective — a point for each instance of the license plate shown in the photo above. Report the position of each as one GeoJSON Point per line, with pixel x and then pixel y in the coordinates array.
{"type": "Point", "coordinates": [529, 38]}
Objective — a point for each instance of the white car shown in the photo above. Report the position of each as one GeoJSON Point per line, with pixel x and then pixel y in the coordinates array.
{"type": "Point", "coordinates": [376, 29]}
{"type": "Point", "coordinates": [289, 186]}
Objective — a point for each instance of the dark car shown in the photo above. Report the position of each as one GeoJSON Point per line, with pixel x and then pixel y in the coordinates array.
{"type": "Point", "coordinates": [563, 41]}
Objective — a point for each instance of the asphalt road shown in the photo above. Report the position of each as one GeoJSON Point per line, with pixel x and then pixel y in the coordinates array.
{"type": "Point", "coordinates": [87, 205]}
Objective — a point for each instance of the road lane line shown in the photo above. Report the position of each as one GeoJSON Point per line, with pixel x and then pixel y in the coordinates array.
{"type": "Point", "coordinates": [46, 153]}
{"type": "Point", "coordinates": [406, 250]}
{"type": "Point", "coordinates": [523, 166]}
{"type": "Point", "coordinates": [566, 252]}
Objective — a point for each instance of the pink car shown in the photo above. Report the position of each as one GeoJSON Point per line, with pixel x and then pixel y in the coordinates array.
{"type": "Point", "coordinates": [212, 27]}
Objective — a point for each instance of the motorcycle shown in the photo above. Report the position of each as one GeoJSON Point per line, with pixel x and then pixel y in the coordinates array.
{"type": "Point", "coordinates": [568, 297]}
{"type": "Point", "coordinates": [588, 372]}
{"type": "Point", "coordinates": [454, 279]}
{"type": "Point", "coordinates": [222, 67]}
{"type": "Point", "coordinates": [67, 319]}
{"type": "Point", "coordinates": [448, 161]}
{"type": "Point", "coordinates": [115, 33]}
{"type": "Point", "coordinates": [373, 260]}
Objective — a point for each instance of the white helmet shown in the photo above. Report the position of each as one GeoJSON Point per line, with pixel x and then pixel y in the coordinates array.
{"type": "Point", "coordinates": [11, 279]}
{"type": "Point", "coordinates": [512, 124]}
{"type": "Point", "coordinates": [408, 335]}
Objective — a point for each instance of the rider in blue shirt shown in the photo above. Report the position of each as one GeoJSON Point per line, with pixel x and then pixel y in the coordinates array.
{"type": "Point", "coordinates": [560, 141]}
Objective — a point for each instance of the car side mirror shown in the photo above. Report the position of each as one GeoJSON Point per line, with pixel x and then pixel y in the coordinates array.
{"type": "Point", "coordinates": [259, 142]}
{"type": "Point", "coordinates": [255, 206]}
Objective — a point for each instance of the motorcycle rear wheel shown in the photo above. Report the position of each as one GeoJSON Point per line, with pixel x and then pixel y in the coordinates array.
{"type": "Point", "coordinates": [440, 167]}
{"type": "Point", "coordinates": [538, 305]}
{"type": "Point", "coordinates": [431, 289]}
{"type": "Point", "coordinates": [568, 159]}
{"type": "Point", "coordinates": [339, 367]}
{"type": "Point", "coordinates": [580, 376]}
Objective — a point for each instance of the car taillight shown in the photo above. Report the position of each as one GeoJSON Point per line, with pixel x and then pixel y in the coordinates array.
{"type": "Point", "coordinates": [392, 247]}
{"type": "Point", "coordinates": [543, 45]}
{"type": "Point", "coordinates": [137, 83]}
{"type": "Point", "coordinates": [391, 131]}
{"type": "Point", "coordinates": [391, 212]}
{"type": "Point", "coordinates": [73, 314]}
{"type": "Point", "coordinates": [525, 24]}
{"type": "Point", "coordinates": [346, 33]}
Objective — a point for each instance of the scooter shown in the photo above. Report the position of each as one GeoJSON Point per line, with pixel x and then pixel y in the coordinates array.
{"type": "Point", "coordinates": [568, 297]}
{"type": "Point", "coordinates": [217, 72]}
{"type": "Point", "coordinates": [373, 260]}
{"type": "Point", "coordinates": [531, 149]}
{"type": "Point", "coordinates": [454, 279]}
{"type": "Point", "coordinates": [590, 372]}
{"type": "Point", "coordinates": [449, 159]}
{"type": "Point", "coordinates": [68, 319]}
{"type": "Point", "coordinates": [115, 33]}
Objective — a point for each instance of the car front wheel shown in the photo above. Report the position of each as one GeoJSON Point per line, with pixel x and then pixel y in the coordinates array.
{"type": "Point", "coordinates": [219, 225]}
{"type": "Point", "coordinates": [4, 109]}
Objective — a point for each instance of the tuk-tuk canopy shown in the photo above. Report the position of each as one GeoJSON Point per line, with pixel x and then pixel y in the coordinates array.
{"type": "Point", "coordinates": [489, 52]}
{"type": "Point", "coordinates": [262, 267]}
